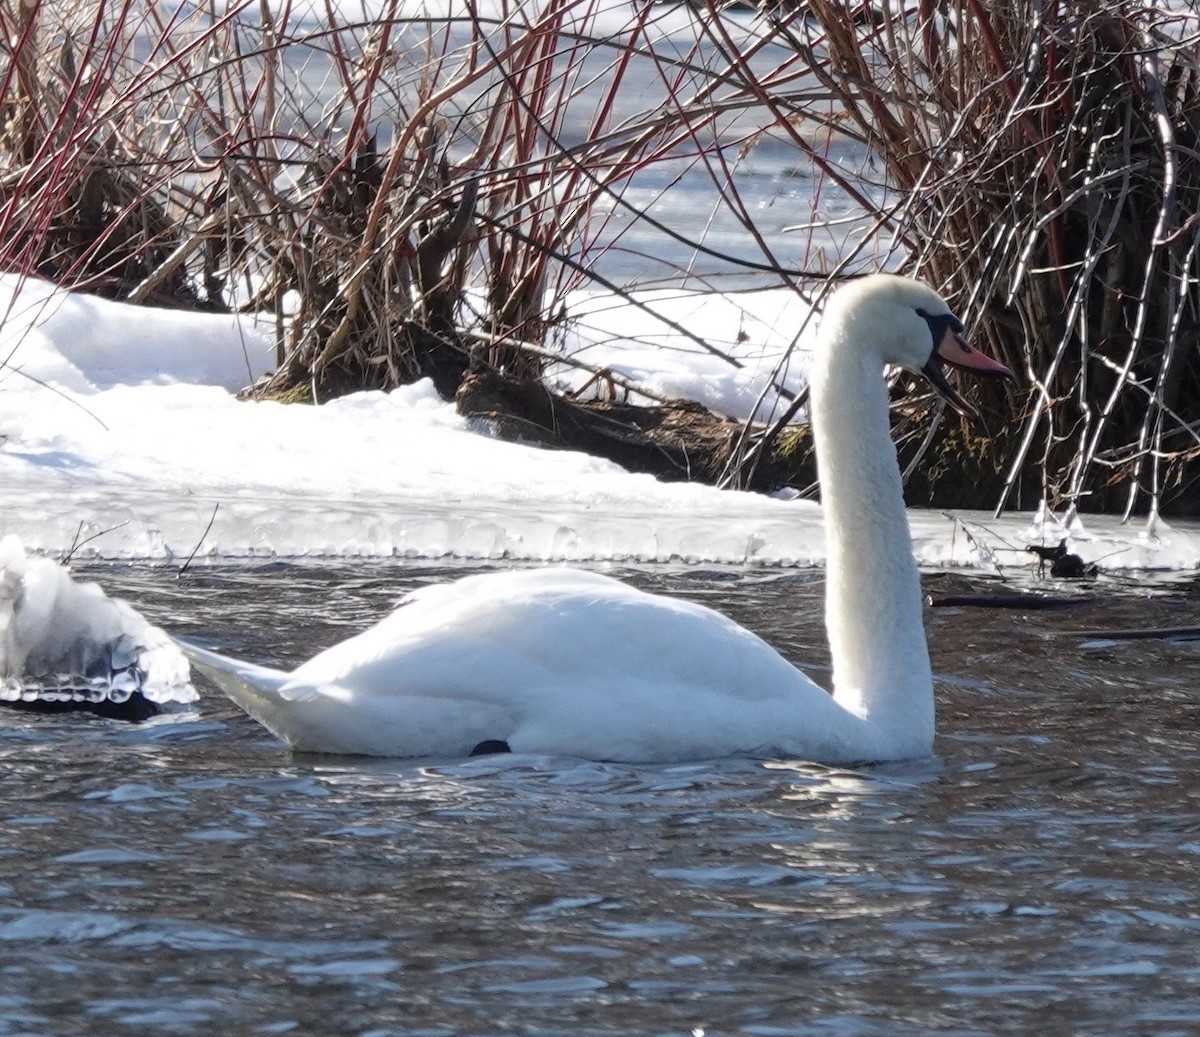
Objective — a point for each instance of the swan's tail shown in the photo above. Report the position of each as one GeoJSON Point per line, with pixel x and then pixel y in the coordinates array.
{"type": "Point", "coordinates": [259, 690]}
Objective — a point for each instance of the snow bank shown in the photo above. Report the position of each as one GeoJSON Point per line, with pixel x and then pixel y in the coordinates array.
{"type": "Point", "coordinates": [130, 444]}
{"type": "Point", "coordinates": [82, 344]}
{"type": "Point", "coordinates": [753, 358]}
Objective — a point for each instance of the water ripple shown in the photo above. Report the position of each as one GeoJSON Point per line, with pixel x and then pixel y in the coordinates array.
{"type": "Point", "coordinates": [1038, 876]}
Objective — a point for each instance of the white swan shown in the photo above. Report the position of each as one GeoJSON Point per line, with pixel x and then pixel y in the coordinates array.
{"type": "Point", "coordinates": [561, 661]}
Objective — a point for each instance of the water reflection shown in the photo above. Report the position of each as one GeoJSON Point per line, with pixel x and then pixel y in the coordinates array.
{"type": "Point", "coordinates": [190, 875]}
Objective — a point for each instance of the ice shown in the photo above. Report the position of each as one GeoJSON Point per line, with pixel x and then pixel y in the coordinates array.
{"type": "Point", "coordinates": [64, 641]}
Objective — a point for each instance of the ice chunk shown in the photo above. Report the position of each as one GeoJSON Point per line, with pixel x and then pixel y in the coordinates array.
{"type": "Point", "coordinates": [67, 642]}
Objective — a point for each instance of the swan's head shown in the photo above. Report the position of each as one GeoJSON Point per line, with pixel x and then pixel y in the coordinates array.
{"type": "Point", "coordinates": [914, 328]}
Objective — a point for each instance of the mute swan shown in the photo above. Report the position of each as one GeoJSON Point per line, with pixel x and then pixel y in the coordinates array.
{"type": "Point", "coordinates": [68, 646]}
{"type": "Point", "coordinates": [569, 662]}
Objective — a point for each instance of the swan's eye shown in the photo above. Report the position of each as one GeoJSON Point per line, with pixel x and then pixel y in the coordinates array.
{"type": "Point", "coordinates": [942, 323]}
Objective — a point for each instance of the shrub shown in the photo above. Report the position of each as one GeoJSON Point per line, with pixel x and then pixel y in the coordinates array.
{"type": "Point", "coordinates": [1045, 157]}
{"type": "Point", "coordinates": [411, 196]}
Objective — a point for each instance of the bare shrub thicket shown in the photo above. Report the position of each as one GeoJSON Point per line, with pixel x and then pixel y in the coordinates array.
{"type": "Point", "coordinates": [413, 195]}
{"type": "Point", "coordinates": [1047, 160]}
{"type": "Point", "coordinates": [409, 194]}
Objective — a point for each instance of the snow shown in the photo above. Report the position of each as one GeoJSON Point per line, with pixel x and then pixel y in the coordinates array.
{"type": "Point", "coordinates": [753, 343]}
{"type": "Point", "coordinates": [122, 438]}
{"type": "Point", "coordinates": [83, 344]}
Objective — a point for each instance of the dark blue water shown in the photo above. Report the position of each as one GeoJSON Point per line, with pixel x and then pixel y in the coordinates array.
{"type": "Point", "coordinates": [1037, 876]}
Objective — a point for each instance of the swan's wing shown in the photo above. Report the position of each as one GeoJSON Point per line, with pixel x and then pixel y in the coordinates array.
{"type": "Point", "coordinates": [325, 717]}
{"type": "Point", "coordinates": [563, 661]}
{"type": "Point", "coordinates": [503, 634]}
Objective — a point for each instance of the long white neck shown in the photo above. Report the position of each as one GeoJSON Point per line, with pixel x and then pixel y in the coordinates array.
{"type": "Point", "coordinates": [873, 595]}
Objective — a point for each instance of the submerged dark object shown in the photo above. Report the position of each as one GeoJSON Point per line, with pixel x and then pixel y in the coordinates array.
{"type": "Point", "coordinates": [1029, 602]}
{"type": "Point", "coordinates": [491, 747]}
{"type": "Point", "coordinates": [67, 646]}
{"type": "Point", "coordinates": [1063, 564]}
{"type": "Point", "coordinates": [135, 708]}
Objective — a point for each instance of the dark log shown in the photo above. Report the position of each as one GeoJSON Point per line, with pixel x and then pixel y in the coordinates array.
{"type": "Point", "coordinates": [678, 440]}
{"type": "Point", "coordinates": [1147, 634]}
{"type": "Point", "coordinates": [1031, 602]}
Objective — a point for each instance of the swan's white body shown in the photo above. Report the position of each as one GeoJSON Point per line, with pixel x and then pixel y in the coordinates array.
{"type": "Point", "coordinates": [552, 661]}
{"type": "Point", "coordinates": [562, 661]}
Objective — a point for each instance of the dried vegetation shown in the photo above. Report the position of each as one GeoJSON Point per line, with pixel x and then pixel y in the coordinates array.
{"type": "Point", "coordinates": [415, 197]}
{"type": "Point", "coordinates": [1049, 174]}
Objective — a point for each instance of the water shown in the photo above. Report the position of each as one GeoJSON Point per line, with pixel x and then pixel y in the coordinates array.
{"type": "Point", "coordinates": [1038, 875]}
